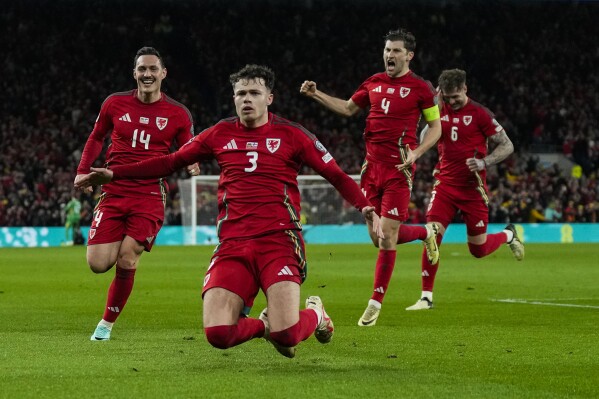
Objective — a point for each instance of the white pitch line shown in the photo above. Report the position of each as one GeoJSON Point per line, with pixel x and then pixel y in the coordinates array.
{"type": "Point", "coordinates": [565, 305]}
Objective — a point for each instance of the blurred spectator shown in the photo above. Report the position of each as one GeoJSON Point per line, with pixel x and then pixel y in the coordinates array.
{"type": "Point", "coordinates": [48, 104]}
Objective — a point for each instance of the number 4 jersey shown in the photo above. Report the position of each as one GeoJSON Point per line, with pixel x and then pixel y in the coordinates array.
{"type": "Point", "coordinates": [395, 106]}
{"type": "Point", "coordinates": [138, 131]}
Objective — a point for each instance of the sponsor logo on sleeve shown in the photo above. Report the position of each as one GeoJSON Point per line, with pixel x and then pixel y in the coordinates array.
{"type": "Point", "coordinates": [327, 157]}
{"type": "Point", "coordinates": [319, 146]}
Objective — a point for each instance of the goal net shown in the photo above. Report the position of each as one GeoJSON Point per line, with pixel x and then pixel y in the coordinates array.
{"type": "Point", "coordinates": [321, 205]}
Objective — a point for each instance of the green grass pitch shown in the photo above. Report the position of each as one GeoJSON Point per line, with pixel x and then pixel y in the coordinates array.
{"type": "Point", "coordinates": [473, 344]}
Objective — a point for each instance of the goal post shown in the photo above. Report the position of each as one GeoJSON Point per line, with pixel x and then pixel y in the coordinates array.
{"type": "Point", "coordinates": [320, 202]}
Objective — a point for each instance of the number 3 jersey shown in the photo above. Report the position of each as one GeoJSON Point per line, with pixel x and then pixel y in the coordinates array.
{"type": "Point", "coordinates": [395, 107]}
{"type": "Point", "coordinates": [138, 131]}
{"type": "Point", "coordinates": [258, 191]}
{"type": "Point", "coordinates": [464, 135]}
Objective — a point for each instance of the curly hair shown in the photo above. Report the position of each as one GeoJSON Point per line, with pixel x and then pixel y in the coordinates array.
{"type": "Point", "coordinates": [253, 72]}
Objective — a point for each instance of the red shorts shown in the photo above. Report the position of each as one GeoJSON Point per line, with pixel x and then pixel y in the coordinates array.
{"type": "Point", "coordinates": [387, 189]}
{"type": "Point", "coordinates": [116, 217]}
{"type": "Point", "coordinates": [446, 200]}
{"type": "Point", "coordinates": [246, 266]}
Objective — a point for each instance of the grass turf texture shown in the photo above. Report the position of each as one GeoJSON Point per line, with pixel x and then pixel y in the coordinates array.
{"type": "Point", "coordinates": [467, 346]}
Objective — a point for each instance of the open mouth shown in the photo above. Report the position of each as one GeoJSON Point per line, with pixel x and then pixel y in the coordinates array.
{"type": "Point", "coordinates": [390, 64]}
{"type": "Point", "coordinates": [147, 82]}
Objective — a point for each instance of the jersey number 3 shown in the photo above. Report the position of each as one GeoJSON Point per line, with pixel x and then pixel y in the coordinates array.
{"type": "Point", "coordinates": [253, 155]}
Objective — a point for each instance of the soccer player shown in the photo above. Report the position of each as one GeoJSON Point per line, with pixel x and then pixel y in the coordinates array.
{"type": "Point", "coordinates": [142, 124]}
{"type": "Point", "coordinates": [72, 212]}
{"type": "Point", "coordinates": [260, 242]}
{"type": "Point", "coordinates": [396, 99]}
{"type": "Point", "coordinates": [460, 183]}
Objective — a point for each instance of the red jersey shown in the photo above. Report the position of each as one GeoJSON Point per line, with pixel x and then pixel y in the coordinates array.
{"type": "Point", "coordinates": [464, 135]}
{"type": "Point", "coordinates": [396, 105]}
{"type": "Point", "coordinates": [138, 131]}
{"type": "Point", "coordinates": [258, 192]}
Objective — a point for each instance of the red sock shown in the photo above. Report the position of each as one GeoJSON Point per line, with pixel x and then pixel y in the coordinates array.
{"type": "Point", "coordinates": [224, 337]}
{"type": "Point", "coordinates": [429, 271]}
{"type": "Point", "coordinates": [118, 293]}
{"type": "Point", "coordinates": [493, 242]}
{"type": "Point", "coordinates": [409, 233]}
{"type": "Point", "coordinates": [382, 274]}
{"type": "Point", "coordinates": [298, 332]}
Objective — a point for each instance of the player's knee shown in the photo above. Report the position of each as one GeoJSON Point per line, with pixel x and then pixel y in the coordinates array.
{"type": "Point", "coordinates": [220, 337]}
{"type": "Point", "coordinates": [127, 261]}
{"type": "Point", "coordinates": [99, 265]}
{"type": "Point", "coordinates": [478, 251]}
{"type": "Point", "coordinates": [288, 337]}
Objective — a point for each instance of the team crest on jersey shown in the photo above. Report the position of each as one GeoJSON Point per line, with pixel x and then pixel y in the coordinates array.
{"type": "Point", "coordinates": [467, 119]}
{"type": "Point", "coordinates": [273, 144]}
{"type": "Point", "coordinates": [92, 233]}
{"type": "Point", "coordinates": [404, 91]}
{"type": "Point", "coordinates": [319, 146]}
{"type": "Point", "coordinates": [161, 122]}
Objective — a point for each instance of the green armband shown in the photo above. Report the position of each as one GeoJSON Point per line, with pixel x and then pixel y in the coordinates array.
{"type": "Point", "coordinates": [432, 113]}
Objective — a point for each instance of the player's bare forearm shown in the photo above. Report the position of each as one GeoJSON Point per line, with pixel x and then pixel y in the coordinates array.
{"type": "Point", "coordinates": [432, 135]}
{"type": "Point", "coordinates": [503, 149]}
{"type": "Point", "coordinates": [337, 105]}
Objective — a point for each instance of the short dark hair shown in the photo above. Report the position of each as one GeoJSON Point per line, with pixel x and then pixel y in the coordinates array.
{"type": "Point", "coordinates": [408, 39]}
{"type": "Point", "coordinates": [253, 71]}
{"type": "Point", "coordinates": [147, 51]}
{"type": "Point", "coordinates": [451, 79]}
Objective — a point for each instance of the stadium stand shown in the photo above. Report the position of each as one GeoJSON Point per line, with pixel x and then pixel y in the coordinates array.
{"type": "Point", "coordinates": [529, 62]}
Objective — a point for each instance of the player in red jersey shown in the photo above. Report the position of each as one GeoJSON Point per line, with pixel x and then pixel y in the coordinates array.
{"type": "Point", "coordinates": [460, 183]}
{"type": "Point", "coordinates": [260, 242]}
{"type": "Point", "coordinates": [142, 124]}
{"type": "Point", "coordinates": [396, 100]}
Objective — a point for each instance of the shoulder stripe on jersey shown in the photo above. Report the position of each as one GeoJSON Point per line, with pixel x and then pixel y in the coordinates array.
{"type": "Point", "coordinates": [119, 94]}
{"type": "Point", "coordinates": [277, 120]}
{"type": "Point", "coordinates": [479, 105]}
{"type": "Point", "coordinates": [428, 82]}
{"type": "Point", "coordinates": [178, 104]}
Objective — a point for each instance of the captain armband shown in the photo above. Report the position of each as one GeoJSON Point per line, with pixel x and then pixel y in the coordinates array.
{"type": "Point", "coordinates": [432, 113]}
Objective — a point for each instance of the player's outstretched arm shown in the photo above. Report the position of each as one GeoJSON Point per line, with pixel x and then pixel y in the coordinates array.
{"type": "Point", "coordinates": [337, 105]}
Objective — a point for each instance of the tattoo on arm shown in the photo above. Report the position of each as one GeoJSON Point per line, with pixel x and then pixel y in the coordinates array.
{"type": "Point", "coordinates": [503, 149]}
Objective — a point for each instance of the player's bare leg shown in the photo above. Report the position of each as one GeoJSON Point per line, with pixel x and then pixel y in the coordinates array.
{"type": "Point", "coordinates": [383, 271]}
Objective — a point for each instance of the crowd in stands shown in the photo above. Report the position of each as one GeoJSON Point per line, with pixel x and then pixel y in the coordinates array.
{"type": "Point", "coordinates": [531, 63]}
